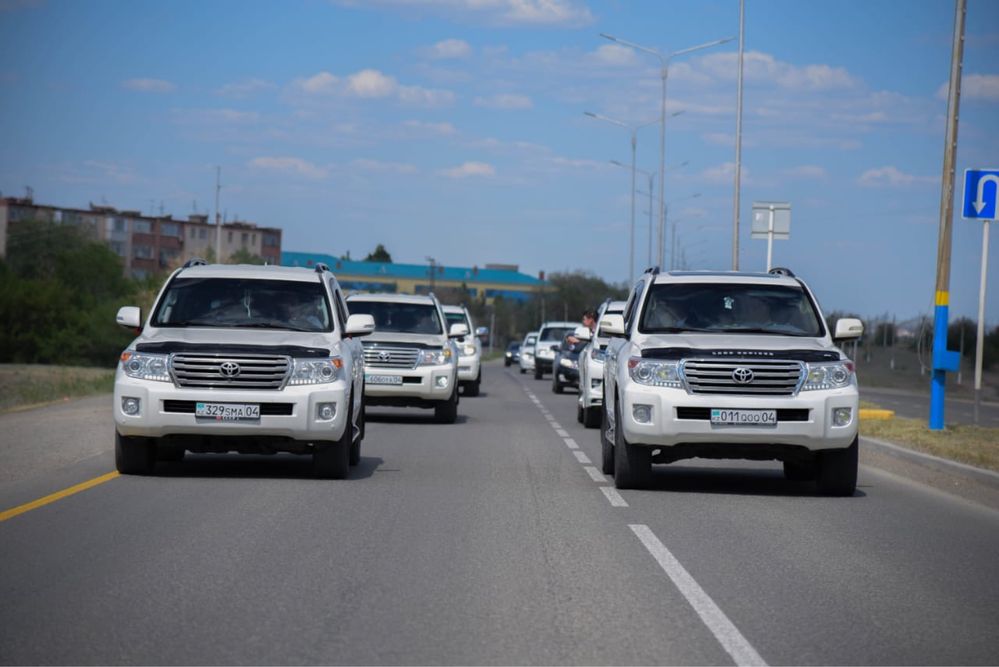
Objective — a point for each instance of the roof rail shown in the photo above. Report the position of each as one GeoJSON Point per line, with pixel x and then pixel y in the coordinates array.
{"type": "Point", "coordinates": [654, 270]}
{"type": "Point", "coordinates": [781, 271]}
{"type": "Point", "coordinates": [321, 267]}
{"type": "Point", "coordinates": [194, 261]}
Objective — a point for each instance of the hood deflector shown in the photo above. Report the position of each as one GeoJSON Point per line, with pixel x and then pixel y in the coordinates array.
{"type": "Point", "coordinates": [166, 347]}
{"type": "Point", "coordinates": [678, 353]}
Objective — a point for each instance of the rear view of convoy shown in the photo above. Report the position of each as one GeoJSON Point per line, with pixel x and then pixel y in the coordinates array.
{"type": "Point", "coordinates": [266, 359]}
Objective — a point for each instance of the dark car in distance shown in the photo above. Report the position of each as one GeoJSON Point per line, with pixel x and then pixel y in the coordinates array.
{"type": "Point", "coordinates": [565, 366]}
{"type": "Point", "coordinates": [512, 355]}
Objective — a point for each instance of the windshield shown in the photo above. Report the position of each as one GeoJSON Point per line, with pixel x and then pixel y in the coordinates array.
{"type": "Point", "coordinates": [457, 318]}
{"type": "Point", "coordinates": [555, 333]}
{"type": "Point", "coordinates": [244, 303]}
{"type": "Point", "coordinates": [730, 308]}
{"type": "Point", "coordinates": [418, 318]}
{"type": "Point", "coordinates": [531, 340]}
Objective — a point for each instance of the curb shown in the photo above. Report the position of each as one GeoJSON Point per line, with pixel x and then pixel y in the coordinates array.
{"type": "Point", "coordinates": [871, 413]}
{"type": "Point", "coordinates": [980, 475]}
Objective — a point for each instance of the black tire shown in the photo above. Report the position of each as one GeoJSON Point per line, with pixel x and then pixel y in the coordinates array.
{"type": "Point", "coordinates": [837, 471]}
{"type": "Point", "coordinates": [522, 371]}
{"type": "Point", "coordinates": [579, 413]}
{"type": "Point", "coordinates": [557, 387]}
{"type": "Point", "coordinates": [331, 459]}
{"type": "Point", "coordinates": [472, 388]}
{"type": "Point", "coordinates": [170, 453]}
{"type": "Point", "coordinates": [446, 412]}
{"type": "Point", "coordinates": [537, 373]}
{"type": "Point", "coordinates": [799, 471]}
{"type": "Point", "coordinates": [632, 463]}
{"type": "Point", "coordinates": [134, 456]}
{"type": "Point", "coordinates": [591, 417]}
{"type": "Point", "coordinates": [506, 363]}
{"type": "Point", "coordinates": [606, 446]}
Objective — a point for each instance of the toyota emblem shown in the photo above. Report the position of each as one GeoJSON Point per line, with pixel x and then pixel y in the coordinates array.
{"type": "Point", "coordinates": [229, 369]}
{"type": "Point", "coordinates": [384, 356]}
{"type": "Point", "coordinates": [742, 375]}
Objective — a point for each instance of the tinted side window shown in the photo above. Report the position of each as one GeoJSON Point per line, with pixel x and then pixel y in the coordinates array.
{"type": "Point", "coordinates": [632, 306]}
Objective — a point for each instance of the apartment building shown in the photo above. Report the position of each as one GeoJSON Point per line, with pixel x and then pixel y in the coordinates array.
{"type": "Point", "coordinates": [146, 244]}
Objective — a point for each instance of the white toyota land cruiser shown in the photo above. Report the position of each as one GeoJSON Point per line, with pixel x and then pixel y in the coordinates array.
{"type": "Point", "coordinates": [591, 370]}
{"type": "Point", "coordinates": [252, 359]}
{"type": "Point", "coordinates": [469, 350]}
{"type": "Point", "coordinates": [729, 366]}
{"type": "Point", "coordinates": [412, 360]}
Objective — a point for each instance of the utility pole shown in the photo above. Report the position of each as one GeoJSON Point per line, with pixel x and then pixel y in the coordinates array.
{"type": "Point", "coordinates": [218, 221]}
{"type": "Point", "coordinates": [433, 272]}
{"type": "Point", "coordinates": [738, 142]}
{"type": "Point", "coordinates": [943, 359]}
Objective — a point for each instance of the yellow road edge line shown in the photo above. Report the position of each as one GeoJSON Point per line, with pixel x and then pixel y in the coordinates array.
{"type": "Point", "coordinates": [870, 413]}
{"type": "Point", "coordinates": [58, 495]}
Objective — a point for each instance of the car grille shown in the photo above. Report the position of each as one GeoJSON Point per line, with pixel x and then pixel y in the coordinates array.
{"type": "Point", "coordinates": [206, 370]}
{"type": "Point", "coordinates": [717, 376]}
{"type": "Point", "coordinates": [391, 357]}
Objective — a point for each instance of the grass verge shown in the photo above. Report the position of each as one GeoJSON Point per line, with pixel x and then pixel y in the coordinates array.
{"type": "Point", "coordinates": [974, 445]}
{"type": "Point", "coordinates": [24, 384]}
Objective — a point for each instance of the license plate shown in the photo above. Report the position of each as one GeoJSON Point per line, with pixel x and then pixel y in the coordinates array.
{"type": "Point", "coordinates": [744, 417]}
{"type": "Point", "coordinates": [383, 379]}
{"type": "Point", "coordinates": [227, 412]}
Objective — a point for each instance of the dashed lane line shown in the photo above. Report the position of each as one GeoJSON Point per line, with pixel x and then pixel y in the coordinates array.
{"type": "Point", "coordinates": [582, 457]}
{"type": "Point", "coordinates": [613, 496]}
{"type": "Point", "coordinates": [570, 443]}
{"type": "Point", "coordinates": [595, 474]}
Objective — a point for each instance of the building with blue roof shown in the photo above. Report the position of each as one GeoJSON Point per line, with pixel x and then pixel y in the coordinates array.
{"type": "Point", "coordinates": [488, 283]}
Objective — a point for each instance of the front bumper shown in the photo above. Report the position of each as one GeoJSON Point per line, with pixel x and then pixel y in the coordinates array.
{"type": "Point", "coordinates": [468, 367]}
{"type": "Point", "coordinates": [422, 383]}
{"type": "Point", "coordinates": [292, 412]}
{"type": "Point", "coordinates": [527, 362]}
{"type": "Point", "coordinates": [567, 375]}
{"type": "Point", "coordinates": [666, 428]}
{"type": "Point", "coordinates": [591, 388]}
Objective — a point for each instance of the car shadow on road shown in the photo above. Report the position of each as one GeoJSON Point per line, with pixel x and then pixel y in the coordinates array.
{"type": "Point", "coordinates": [407, 417]}
{"type": "Point", "coordinates": [253, 466]}
{"type": "Point", "coordinates": [731, 481]}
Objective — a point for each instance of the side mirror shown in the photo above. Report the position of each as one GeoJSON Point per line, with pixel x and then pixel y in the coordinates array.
{"type": "Point", "coordinates": [848, 328]}
{"type": "Point", "coordinates": [482, 332]}
{"type": "Point", "coordinates": [612, 325]}
{"type": "Point", "coordinates": [582, 333]}
{"type": "Point", "coordinates": [129, 317]}
{"type": "Point", "coordinates": [359, 325]}
{"type": "Point", "coordinates": [458, 331]}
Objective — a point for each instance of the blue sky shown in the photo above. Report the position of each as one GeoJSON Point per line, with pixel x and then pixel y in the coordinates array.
{"type": "Point", "coordinates": [455, 128]}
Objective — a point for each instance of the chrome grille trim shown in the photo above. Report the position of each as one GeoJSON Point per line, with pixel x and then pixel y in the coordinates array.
{"type": "Point", "coordinates": [256, 371]}
{"type": "Point", "coordinates": [398, 357]}
{"type": "Point", "coordinates": [770, 377]}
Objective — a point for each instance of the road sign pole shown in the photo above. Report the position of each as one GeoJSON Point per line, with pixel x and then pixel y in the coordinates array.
{"type": "Point", "coordinates": [943, 359]}
{"type": "Point", "coordinates": [980, 339]}
{"type": "Point", "coordinates": [770, 239]}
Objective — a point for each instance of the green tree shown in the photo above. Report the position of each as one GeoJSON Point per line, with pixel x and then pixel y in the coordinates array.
{"type": "Point", "coordinates": [244, 256]}
{"type": "Point", "coordinates": [379, 254]}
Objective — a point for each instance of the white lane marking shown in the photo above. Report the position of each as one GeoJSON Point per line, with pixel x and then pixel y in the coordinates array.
{"type": "Point", "coordinates": [595, 474]}
{"type": "Point", "coordinates": [561, 432]}
{"type": "Point", "coordinates": [582, 457]}
{"type": "Point", "coordinates": [615, 498]}
{"type": "Point", "coordinates": [571, 443]}
{"type": "Point", "coordinates": [556, 425]}
{"type": "Point", "coordinates": [721, 627]}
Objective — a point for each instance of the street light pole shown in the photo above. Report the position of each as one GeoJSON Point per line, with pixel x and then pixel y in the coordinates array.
{"type": "Point", "coordinates": [664, 61]}
{"type": "Point", "coordinates": [738, 142]}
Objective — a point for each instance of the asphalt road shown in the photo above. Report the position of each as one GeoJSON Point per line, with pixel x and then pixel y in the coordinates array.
{"type": "Point", "coordinates": [490, 541]}
{"type": "Point", "coordinates": [917, 406]}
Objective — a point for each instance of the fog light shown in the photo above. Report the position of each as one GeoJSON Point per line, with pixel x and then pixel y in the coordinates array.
{"type": "Point", "coordinates": [441, 381]}
{"type": "Point", "coordinates": [842, 416]}
{"type": "Point", "coordinates": [642, 413]}
{"type": "Point", "coordinates": [325, 411]}
{"type": "Point", "coordinates": [130, 406]}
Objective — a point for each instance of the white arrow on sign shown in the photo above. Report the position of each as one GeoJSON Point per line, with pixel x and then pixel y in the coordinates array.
{"type": "Point", "coordinates": [980, 203]}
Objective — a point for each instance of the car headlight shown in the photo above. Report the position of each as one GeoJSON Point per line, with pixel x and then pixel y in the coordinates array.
{"type": "Point", "coordinates": [142, 366]}
{"type": "Point", "coordinates": [597, 354]}
{"type": "Point", "coordinates": [828, 376]}
{"type": "Point", "coordinates": [654, 372]}
{"type": "Point", "coordinates": [567, 363]}
{"type": "Point", "coordinates": [315, 371]}
{"type": "Point", "coordinates": [434, 357]}
{"type": "Point", "coordinates": [467, 350]}
{"type": "Point", "coordinates": [546, 353]}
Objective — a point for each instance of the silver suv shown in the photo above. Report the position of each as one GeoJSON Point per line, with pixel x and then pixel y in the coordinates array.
{"type": "Point", "coordinates": [729, 366]}
{"type": "Point", "coordinates": [469, 350]}
{"type": "Point", "coordinates": [253, 359]}
{"type": "Point", "coordinates": [550, 336]}
{"type": "Point", "coordinates": [412, 360]}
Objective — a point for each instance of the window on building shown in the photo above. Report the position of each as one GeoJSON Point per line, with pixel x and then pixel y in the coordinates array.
{"type": "Point", "coordinates": [202, 233]}
{"type": "Point", "coordinates": [118, 225]}
{"type": "Point", "coordinates": [244, 238]}
{"type": "Point", "coordinates": [142, 252]}
{"type": "Point", "coordinates": [270, 240]}
{"type": "Point", "coordinates": [142, 227]}
{"type": "Point", "coordinates": [118, 247]}
{"type": "Point", "coordinates": [229, 238]}
{"type": "Point", "coordinates": [169, 229]}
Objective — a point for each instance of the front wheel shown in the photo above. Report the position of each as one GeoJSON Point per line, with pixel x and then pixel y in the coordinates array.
{"type": "Point", "coordinates": [838, 471]}
{"type": "Point", "coordinates": [557, 387]}
{"type": "Point", "coordinates": [537, 373]}
{"type": "Point", "coordinates": [134, 456]}
{"type": "Point", "coordinates": [606, 446]}
{"type": "Point", "coordinates": [446, 412]}
{"type": "Point", "coordinates": [632, 463]}
{"type": "Point", "coordinates": [472, 388]}
{"type": "Point", "coordinates": [591, 417]}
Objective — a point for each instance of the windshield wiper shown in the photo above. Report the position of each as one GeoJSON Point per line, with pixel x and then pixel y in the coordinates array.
{"type": "Point", "coordinates": [190, 323]}
{"type": "Point", "coordinates": [758, 330]}
{"type": "Point", "coordinates": [673, 330]}
{"type": "Point", "coordinates": [271, 325]}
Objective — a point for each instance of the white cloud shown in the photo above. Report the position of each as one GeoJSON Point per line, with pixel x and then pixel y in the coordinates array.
{"type": "Point", "coordinates": [149, 85]}
{"type": "Point", "coordinates": [975, 87]}
{"type": "Point", "coordinates": [574, 163]}
{"type": "Point", "coordinates": [392, 167]}
{"type": "Point", "coordinates": [892, 177]}
{"type": "Point", "coordinates": [505, 101]}
{"type": "Point", "coordinates": [323, 83]}
{"type": "Point", "coordinates": [806, 171]}
{"type": "Point", "coordinates": [450, 49]}
{"type": "Point", "coordinates": [431, 98]}
{"type": "Point", "coordinates": [470, 169]}
{"type": "Point", "coordinates": [564, 13]}
{"type": "Point", "coordinates": [615, 54]}
{"type": "Point", "coordinates": [371, 83]}
{"type": "Point", "coordinates": [289, 165]}
{"type": "Point", "coordinates": [761, 67]}
{"type": "Point", "coordinates": [723, 173]}
{"type": "Point", "coordinates": [244, 88]}
{"type": "Point", "coordinates": [431, 128]}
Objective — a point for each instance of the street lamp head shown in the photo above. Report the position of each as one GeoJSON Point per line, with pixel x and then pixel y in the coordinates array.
{"type": "Point", "coordinates": [618, 163]}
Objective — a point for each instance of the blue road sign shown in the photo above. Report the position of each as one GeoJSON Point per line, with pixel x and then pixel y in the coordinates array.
{"type": "Point", "coordinates": [981, 194]}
